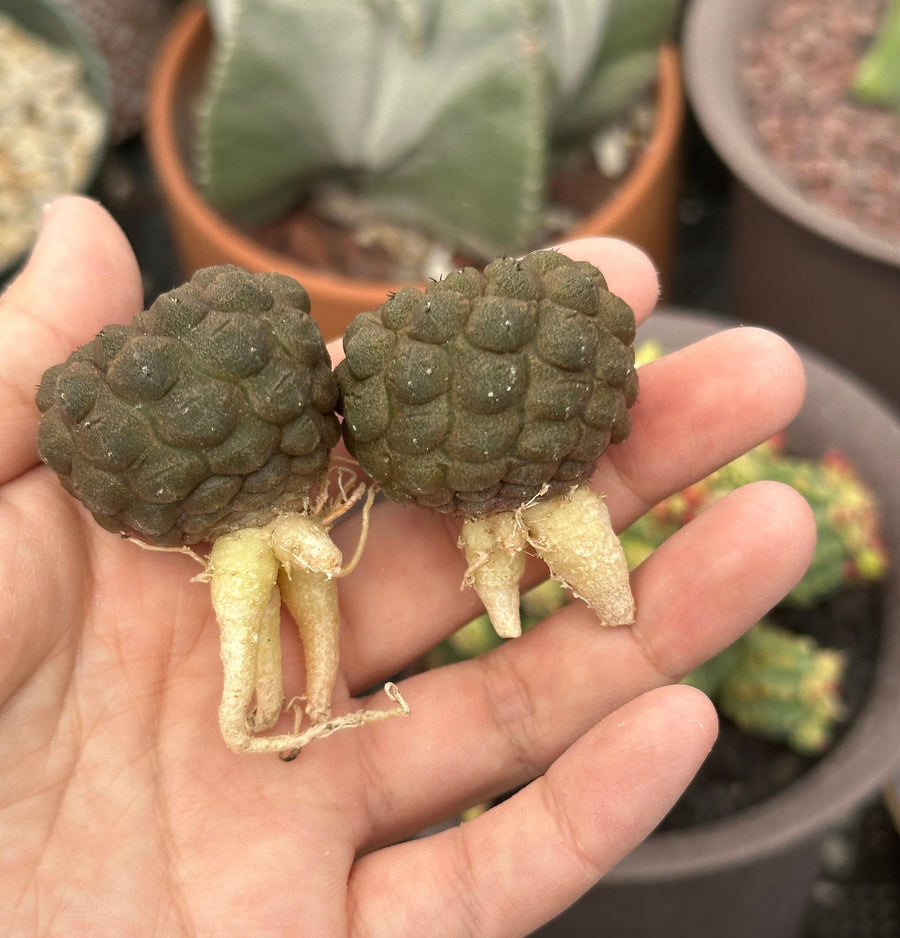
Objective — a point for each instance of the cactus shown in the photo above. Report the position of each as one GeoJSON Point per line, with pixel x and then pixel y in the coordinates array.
{"type": "Point", "coordinates": [491, 396]}
{"type": "Point", "coordinates": [777, 684]}
{"type": "Point", "coordinates": [211, 418]}
{"type": "Point", "coordinates": [437, 115]}
{"type": "Point", "coordinates": [849, 547]}
{"type": "Point", "coordinates": [772, 682]}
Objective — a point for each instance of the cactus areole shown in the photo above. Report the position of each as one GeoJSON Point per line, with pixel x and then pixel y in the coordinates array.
{"type": "Point", "coordinates": [211, 418]}
{"type": "Point", "coordinates": [491, 396]}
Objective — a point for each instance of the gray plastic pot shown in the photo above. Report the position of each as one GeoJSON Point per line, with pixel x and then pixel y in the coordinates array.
{"type": "Point", "coordinates": [795, 266]}
{"type": "Point", "coordinates": [750, 876]}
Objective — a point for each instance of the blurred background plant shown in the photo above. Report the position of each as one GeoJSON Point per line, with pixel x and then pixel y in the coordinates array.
{"type": "Point", "coordinates": [126, 34]}
{"type": "Point", "coordinates": [54, 101]}
{"type": "Point", "coordinates": [773, 682]}
{"type": "Point", "coordinates": [442, 116]}
{"type": "Point", "coordinates": [877, 78]}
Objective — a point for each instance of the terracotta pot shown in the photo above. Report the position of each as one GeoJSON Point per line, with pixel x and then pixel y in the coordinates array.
{"type": "Point", "coordinates": [750, 876]}
{"type": "Point", "coordinates": [643, 210]}
{"type": "Point", "coordinates": [796, 266]}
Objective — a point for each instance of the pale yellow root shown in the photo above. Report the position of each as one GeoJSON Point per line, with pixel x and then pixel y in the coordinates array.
{"type": "Point", "coordinates": [300, 542]}
{"type": "Point", "coordinates": [572, 533]}
{"type": "Point", "coordinates": [243, 574]}
{"type": "Point", "coordinates": [494, 548]}
{"type": "Point", "coordinates": [250, 572]}
{"type": "Point", "coordinates": [269, 693]}
{"type": "Point", "coordinates": [292, 743]}
{"type": "Point", "coordinates": [313, 602]}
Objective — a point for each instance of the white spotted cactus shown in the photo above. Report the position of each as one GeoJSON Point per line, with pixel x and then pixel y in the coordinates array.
{"type": "Point", "coordinates": [440, 115]}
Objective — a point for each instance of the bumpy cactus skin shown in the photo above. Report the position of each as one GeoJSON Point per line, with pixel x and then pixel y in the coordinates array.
{"type": "Point", "coordinates": [783, 686]}
{"type": "Point", "coordinates": [486, 390]}
{"type": "Point", "coordinates": [211, 417]}
{"type": "Point", "coordinates": [491, 396]}
{"type": "Point", "coordinates": [214, 406]}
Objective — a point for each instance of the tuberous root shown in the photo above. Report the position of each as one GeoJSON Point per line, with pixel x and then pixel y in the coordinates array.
{"type": "Point", "coordinates": [572, 533]}
{"type": "Point", "coordinates": [250, 573]}
{"type": "Point", "coordinates": [494, 548]}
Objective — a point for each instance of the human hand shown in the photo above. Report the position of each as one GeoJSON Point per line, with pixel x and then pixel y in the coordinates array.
{"type": "Point", "coordinates": [122, 811]}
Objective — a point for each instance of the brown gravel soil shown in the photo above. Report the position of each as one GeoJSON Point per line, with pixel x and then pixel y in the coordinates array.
{"type": "Point", "coordinates": [386, 253]}
{"type": "Point", "coordinates": [797, 72]}
{"type": "Point", "coordinates": [743, 770]}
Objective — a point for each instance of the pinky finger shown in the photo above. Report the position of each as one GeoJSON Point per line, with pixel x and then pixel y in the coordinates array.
{"type": "Point", "coordinates": [524, 861]}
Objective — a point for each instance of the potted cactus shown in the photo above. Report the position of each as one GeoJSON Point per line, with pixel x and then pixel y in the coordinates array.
{"type": "Point", "coordinates": [777, 681]}
{"type": "Point", "coordinates": [801, 110]}
{"type": "Point", "coordinates": [439, 123]}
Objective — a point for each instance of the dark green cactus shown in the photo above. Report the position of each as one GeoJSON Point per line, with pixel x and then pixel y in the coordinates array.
{"type": "Point", "coordinates": [215, 405]}
{"type": "Point", "coordinates": [211, 417]}
{"type": "Point", "coordinates": [485, 390]}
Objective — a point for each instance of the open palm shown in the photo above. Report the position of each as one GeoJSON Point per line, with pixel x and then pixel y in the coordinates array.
{"type": "Point", "coordinates": [122, 811]}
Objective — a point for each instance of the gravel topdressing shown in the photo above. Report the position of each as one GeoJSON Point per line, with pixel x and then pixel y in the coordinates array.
{"type": "Point", "coordinates": [797, 72]}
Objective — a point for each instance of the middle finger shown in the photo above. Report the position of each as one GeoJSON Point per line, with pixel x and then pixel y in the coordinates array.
{"type": "Point", "coordinates": [485, 725]}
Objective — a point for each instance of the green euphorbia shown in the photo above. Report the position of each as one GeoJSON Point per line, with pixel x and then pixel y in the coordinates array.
{"type": "Point", "coordinates": [849, 547]}
{"type": "Point", "coordinates": [777, 684]}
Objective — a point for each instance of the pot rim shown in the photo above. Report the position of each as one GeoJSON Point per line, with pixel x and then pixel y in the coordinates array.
{"type": "Point", "coordinates": [710, 44]}
{"type": "Point", "coordinates": [869, 752]}
{"type": "Point", "coordinates": [190, 31]}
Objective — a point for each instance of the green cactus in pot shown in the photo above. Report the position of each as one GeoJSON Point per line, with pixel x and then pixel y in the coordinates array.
{"type": "Point", "coordinates": [779, 685]}
{"type": "Point", "coordinates": [435, 115]}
